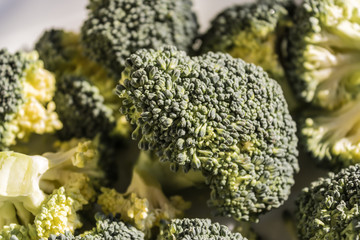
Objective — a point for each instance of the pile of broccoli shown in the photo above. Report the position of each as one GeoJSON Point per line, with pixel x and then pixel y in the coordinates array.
{"type": "Point", "coordinates": [217, 113]}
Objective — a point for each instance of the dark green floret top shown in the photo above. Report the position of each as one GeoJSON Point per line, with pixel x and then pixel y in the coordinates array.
{"type": "Point", "coordinates": [329, 208]}
{"type": "Point", "coordinates": [215, 114]}
{"type": "Point", "coordinates": [117, 28]}
{"type": "Point", "coordinates": [196, 229]}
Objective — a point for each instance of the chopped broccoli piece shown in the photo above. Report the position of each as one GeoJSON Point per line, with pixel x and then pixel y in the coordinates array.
{"type": "Point", "coordinates": [197, 229]}
{"type": "Point", "coordinates": [116, 28]}
{"type": "Point", "coordinates": [85, 96]}
{"type": "Point", "coordinates": [27, 180]}
{"type": "Point", "coordinates": [143, 204]}
{"type": "Point", "coordinates": [329, 208]}
{"type": "Point", "coordinates": [81, 108]}
{"type": "Point", "coordinates": [255, 33]}
{"type": "Point", "coordinates": [215, 114]}
{"type": "Point", "coordinates": [323, 52]}
{"type": "Point", "coordinates": [26, 92]}
{"type": "Point", "coordinates": [333, 137]}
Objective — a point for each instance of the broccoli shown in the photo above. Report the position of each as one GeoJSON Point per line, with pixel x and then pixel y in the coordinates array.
{"type": "Point", "coordinates": [106, 228]}
{"type": "Point", "coordinates": [116, 28]}
{"type": "Point", "coordinates": [323, 52]}
{"type": "Point", "coordinates": [196, 229]}
{"type": "Point", "coordinates": [329, 208]}
{"type": "Point", "coordinates": [332, 137]}
{"type": "Point", "coordinates": [81, 108]}
{"type": "Point", "coordinates": [85, 95]}
{"type": "Point", "coordinates": [143, 205]}
{"type": "Point", "coordinates": [26, 182]}
{"type": "Point", "coordinates": [215, 114]}
{"type": "Point", "coordinates": [255, 33]}
{"type": "Point", "coordinates": [26, 92]}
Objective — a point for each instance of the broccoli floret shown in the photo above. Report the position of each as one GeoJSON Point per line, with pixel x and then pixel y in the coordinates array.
{"type": "Point", "coordinates": [333, 137]}
{"type": "Point", "coordinates": [215, 114]}
{"type": "Point", "coordinates": [323, 52]}
{"type": "Point", "coordinates": [26, 92]}
{"type": "Point", "coordinates": [106, 228]}
{"type": "Point", "coordinates": [196, 229]}
{"type": "Point", "coordinates": [143, 204]}
{"type": "Point", "coordinates": [27, 180]}
{"type": "Point", "coordinates": [116, 28]}
{"type": "Point", "coordinates": [85, 95]}
{"type": "Point", "coordinates": [81, 108]}
{"type": "Point", "coordinates": [255, 33]}
{"type": "Point", "coordinates": [329, 208]}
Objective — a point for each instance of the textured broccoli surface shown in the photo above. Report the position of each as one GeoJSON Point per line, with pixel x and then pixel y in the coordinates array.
{"type": "Point", "coordinates": [219, 115]}
{"type": "Point", "coordinates": [329, 208]}
{"type": "Point", "coordinates": [144, 204]}
{"type": "Point", "coordinates": [196, 229]}
{"type": "Point", "coordinates": [333, 137]}
{"type": "Point", "coordinates": [81, 108]}
{"type": "Point", "coordinates": [85, 90]}
{"type": "Point", "coordinates": [26, 91]}
{"type": "Point", "coordinates": [323, 52]}
{"type": "Point", "coordinates": [116, 28]}
{"type": "Point", "coordinates": [255, 33]}
{"type": "Point", "coordinates": [109, 228]}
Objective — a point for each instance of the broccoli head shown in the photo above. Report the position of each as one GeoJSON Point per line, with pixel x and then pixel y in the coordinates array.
{"type": "Point", "coordinates": [81, 108]}
{"type": "Point", "coordinates": [333, 137]}
{"type": "Point", "coordinates": [215, 114]}
{"type": "Point", "coordinates": [329, 208]}
{"type": "Point", "coordinates": [117, 28]}
{"type": "Point", "coordinates": [196, 229]}
{"type": "Point", "coordinates": [26, 92]}
{"type": "Point", "coordinates": [85, 90]}
{"type": "Point", "coordinates": [323, 52]}
{"type": "Point", "coordinates": [255, 33]}
{"type": "Point", "coordinates": [26, 181]}
{"type": "Point", "coordinates": [144, 204]}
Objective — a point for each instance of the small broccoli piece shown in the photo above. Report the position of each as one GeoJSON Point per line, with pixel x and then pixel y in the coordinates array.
{"type": "Point", "coordinates": [106, 228]}
{"type": "Point", "coordinates": [143, 204]}
{"type": "Point", "coordinates": [215, 114]}
{"type": "Point", "coordinates": [196, 229]}
{"type": "Point", "coordinates": [85, 95]}
{"type": "Point", "coordinates": [81, 108]}
{"type": "Point", "coordinates": [26, 92]}
{"type": "Point", "coordinates": [329, 208]}
{"type": "Point", "coordinates": [255, 33]}
{"type": "Point", "coordinates": [116, 28]}
{"type": "Point", "coordinates": [27, 180]}
{"type": "Point", "coordinates": [333, 137]}
{"type": "Point", "coordinates": [323, 52]}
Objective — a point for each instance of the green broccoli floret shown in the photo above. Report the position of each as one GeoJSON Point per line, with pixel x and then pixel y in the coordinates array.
{"type": "Point", "coordinates": [333, 137]}
{"type": "Point", "coordinates": [144, 204]}
{"type": "Point", "coordinates": [81, 108]}
{"type": "Point", "coordinates": [26, 92]}
{"type": "Point", "coordinates": [26, 181]}
{"type": "Point", "coordinates": [85, 90]}
{"type": "Point", "coordinates": [329, 208]}
{"type": "Point", "coordinates": [215, 114]}
{"type": "Point", "coordinates": [196, 229]}
{"type": "Point", "coordinates": [116, 28]}
{"type": "Point", "coordinates": [255, 33]}
{"type": "Point", "coordinates": [323, 52]}
{"type": "Point", "coordinates": [106, 228]}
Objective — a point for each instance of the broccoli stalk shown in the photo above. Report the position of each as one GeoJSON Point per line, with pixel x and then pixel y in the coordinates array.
{"type": "Point", "coordinates": [143, 204]}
